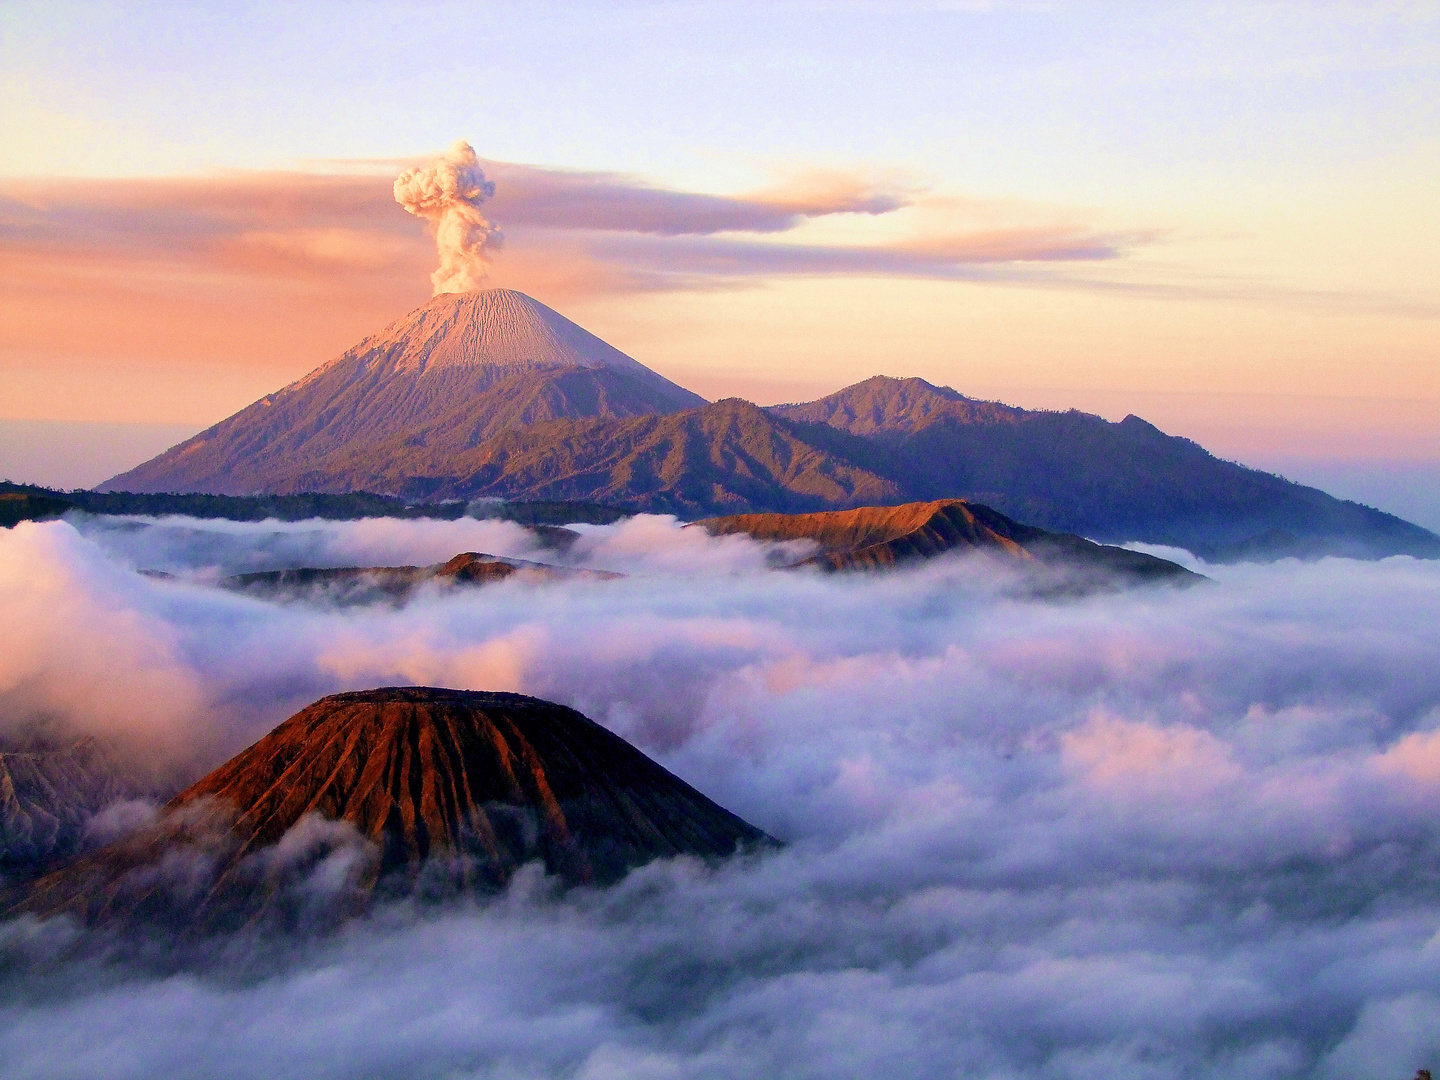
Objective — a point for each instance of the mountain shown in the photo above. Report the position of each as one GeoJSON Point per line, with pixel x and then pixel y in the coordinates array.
{"type": "Point", "coordinates": [493, 395]}
{"type": "Point", "coordinates": [456, 371]}
{"type": "Point", "coordinates": [46, 797]}
{"type": "Point", "coordinates": [407, 789]}
{"type": "Point", "coordinates": [893, 441]}
{"type": "Point", "coordinates": [876, 537]}
{"type": "Point", "coordinates": [882, 405]}
{"type": "Point", "coordinates": [1077, 473]}
{"type": "Point", "coordinates": [369, 584]}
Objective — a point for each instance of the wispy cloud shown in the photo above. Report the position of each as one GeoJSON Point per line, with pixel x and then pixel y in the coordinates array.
{"type": "Point", "coordinates": [280, 270]}
{"type": "Point", "coordinates": [634, 235]}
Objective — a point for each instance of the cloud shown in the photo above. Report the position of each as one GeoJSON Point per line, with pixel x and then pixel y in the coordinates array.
{"type": "Point", "coordinates": [555, 199]}
{"type": "Point", "coordinates": [343, 227]}
{"type": "Point", "coordinates": [1157, 834]}
{"type": "Point", "coordinates": [984, 255]}
{"type": "Point", "coordinates": [277, 271]}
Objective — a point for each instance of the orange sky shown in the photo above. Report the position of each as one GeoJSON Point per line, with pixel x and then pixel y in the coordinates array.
{"type": "Point", "coordinates": [181, 300]}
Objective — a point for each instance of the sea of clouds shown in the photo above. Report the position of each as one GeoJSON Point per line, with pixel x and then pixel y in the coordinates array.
{"type": "Point", "coordinates": [1157, 833]}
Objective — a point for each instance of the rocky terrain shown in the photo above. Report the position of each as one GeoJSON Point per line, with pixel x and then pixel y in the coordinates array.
{"type": "Point", "coordinates": [47, 796]}
{"type": "Point", "coordinates": [401, 789]}
{"type": "Point", "coordinates": [878, 537]}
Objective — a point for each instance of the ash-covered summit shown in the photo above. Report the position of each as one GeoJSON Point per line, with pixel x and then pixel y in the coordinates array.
{"type": "Point", "coordinates": [452, 373]}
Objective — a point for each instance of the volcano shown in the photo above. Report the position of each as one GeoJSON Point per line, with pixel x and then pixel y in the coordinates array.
{"type": "Point", "coordinates": [491, 395]}
{"type": "Point", "coordinates": [880, 537]}
{"type": "Point", "coordinates": [404, 788]}
{"type": "Point", "coordinates": [454, 372]}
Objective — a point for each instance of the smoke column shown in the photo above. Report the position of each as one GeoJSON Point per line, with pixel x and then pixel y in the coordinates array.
{"type": "Point", "coordinates": [449, 192]}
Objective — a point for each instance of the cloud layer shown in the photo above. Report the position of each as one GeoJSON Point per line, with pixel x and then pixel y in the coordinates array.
{"type": "Point", "coordinates": [1150, 835]}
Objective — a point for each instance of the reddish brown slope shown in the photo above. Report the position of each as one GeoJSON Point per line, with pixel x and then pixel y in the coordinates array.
{"type": "Point", "coordinates": [873, 537]}
{"type": "Point", "coordinates": [474, 783]}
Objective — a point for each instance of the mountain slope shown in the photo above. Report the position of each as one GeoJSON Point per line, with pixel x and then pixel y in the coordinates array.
{"type": "Point", "coordinates": [493, 394]}
{"type": "Point", "coordinates": [1077, 473]}
{"type": "Point", "coordinates": [726, 456]}
{"type": "Point", "coordinates": [428, 785]}
{"type": "Point", "coordinates": [877, 537]}
{"type": "Point", "coordinates": [456, 370]}
{"type": "Point", "coordinates": [46, 797]}
{"type": "Point", "coordinates": [885, 404]}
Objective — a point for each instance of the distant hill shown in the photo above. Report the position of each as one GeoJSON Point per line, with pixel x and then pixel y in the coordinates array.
{"type": "Point", "coordinates": [1078, 473]}
{"type": "Point", "coordinates": [449, 790]}
{"type": "Point", "coordinates": [454, 372]}
{"type": "Point", "coordinates": [878, 537]}
{"type": "Point", "coordinates": [20, 505]}
{"type": "Point", "coordinates": [347, 585]}
{"type": "Point", "coordinates": [882, 405]}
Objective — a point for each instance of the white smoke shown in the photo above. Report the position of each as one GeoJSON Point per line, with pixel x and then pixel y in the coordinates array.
{"type": "Point", "coordinates": [449, 192]}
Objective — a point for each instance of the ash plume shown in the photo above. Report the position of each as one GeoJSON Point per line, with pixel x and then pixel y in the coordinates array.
{"type": "Point", "coordinates": [449, 192]}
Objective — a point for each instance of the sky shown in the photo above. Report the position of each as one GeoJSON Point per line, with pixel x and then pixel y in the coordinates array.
{"type": "Point", "coordinates": [1222, 217]}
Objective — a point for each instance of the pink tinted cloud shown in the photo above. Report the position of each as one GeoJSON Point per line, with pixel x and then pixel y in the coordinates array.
{"type": "Point", "coordinates": [277, 269]}
{"type": "Point", "coordinates": [645, 237]}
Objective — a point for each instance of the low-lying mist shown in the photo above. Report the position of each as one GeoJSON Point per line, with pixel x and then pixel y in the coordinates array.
{"type": "Point", "coordinates": [1158, 833]}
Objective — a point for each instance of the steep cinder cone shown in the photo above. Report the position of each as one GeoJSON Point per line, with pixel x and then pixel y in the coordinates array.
{"type": "Point", "coordinates": [428, 784]}
{"type": "Point", "coordinates": [456, 371]}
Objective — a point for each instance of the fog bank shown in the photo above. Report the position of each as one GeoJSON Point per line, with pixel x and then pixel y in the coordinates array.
{"type": "Point", "coordinates": [1161, 833]}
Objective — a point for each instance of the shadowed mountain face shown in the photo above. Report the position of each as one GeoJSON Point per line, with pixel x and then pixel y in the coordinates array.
{"type": "Point", "coordinates": [456, 371]}
{"type": "Point", "coordinates": [730, 455]}
{"type": "Point", "coordinates": [48, 795]}
{"type": "Point", "coordinates": [1077, 473]}
{"type": "Point", "coordinates": [885, 405]}
{"type": "Point", "coordinates": [492, 394]}
{"type": "Point", "coordinates": [877, 537]}
{"type": "Point", "coordinates": [399, 788]}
